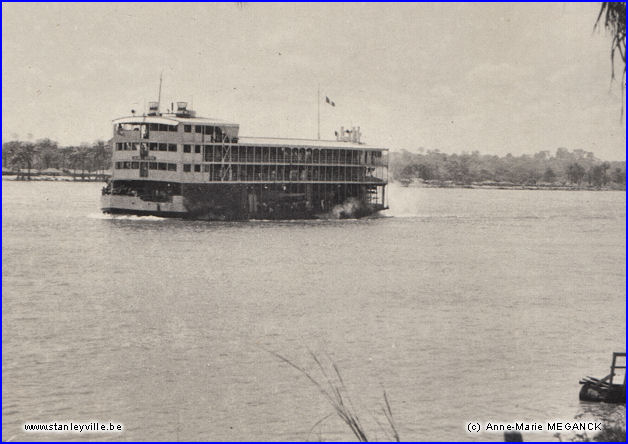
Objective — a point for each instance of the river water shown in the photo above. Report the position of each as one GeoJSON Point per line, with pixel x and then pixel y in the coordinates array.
{"type": "Point", "coordinates": [463, 305]}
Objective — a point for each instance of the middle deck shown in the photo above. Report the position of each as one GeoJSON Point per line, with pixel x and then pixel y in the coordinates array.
{"type": "Point", "coordinates": [250, 160]}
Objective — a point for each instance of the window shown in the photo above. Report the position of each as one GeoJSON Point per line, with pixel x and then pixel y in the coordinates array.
{"type": "Point", "coordinates": [187, 128]}
{"type": "Point", "coordinates": [119, 146]}
{"type": "Point", "coordinates": [197, 168]}
{"type": "Point", "coordinates": [163, 166]}
{"type": "Point", "coordinates": [198, 129]}
{"type": "Point", "coordinates": [173, 128]}
{"type": "Point", "coordinates": [135, 146]}
{"type": "Point", "coordinates": [187, 167]}
{"type": "Point", "coordinates": [118, 165]}
{"type": "Point", "coordinates": [163, 147]}
{"type": "Point", "coordinates": [172, 147]}
{"type": "Point", "coordinates": [153, 127]}
{"type": "Point", "coordinates": [206, 168]}
{"type": "Point", "coordinates": [153, 146]}
{"type": "Point", "coordinates": [172, 167]}
{"type": "Point", "coordinates": [209, 130]}
{"type": "Point", "coordinates": [197, 149]}
{"type": "Point", "coordinates": [135, 165]}
{"type": "Point", "coordinates": [152, 166]}
{"type": "Point", "coordinates": [163, 127]}
{"type": "Point", "coordinates": [187, 148]}
{"type": "Point", "coordinates": [127, 165]}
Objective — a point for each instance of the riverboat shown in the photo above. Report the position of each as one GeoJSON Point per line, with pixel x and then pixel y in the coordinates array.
{"type": "Point", "coordinates": [175, 164]}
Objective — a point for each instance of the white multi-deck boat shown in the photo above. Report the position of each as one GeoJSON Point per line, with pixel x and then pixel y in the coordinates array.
{"type": "Point", "coordinates": [178, 164]}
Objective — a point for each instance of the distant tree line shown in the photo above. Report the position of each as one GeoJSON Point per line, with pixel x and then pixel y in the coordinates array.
{"type": "Point", "coordinates": [577, 167]}
{"type": "Point", "coordinates": [45, 153]}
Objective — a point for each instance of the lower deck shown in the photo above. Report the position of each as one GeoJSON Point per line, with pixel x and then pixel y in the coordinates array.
{"type": "Point", "coordinates": [243, 201]}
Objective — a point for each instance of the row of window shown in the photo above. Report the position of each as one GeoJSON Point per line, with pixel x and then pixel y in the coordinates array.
{"type": "Point", "coordinates": [199, 129]}
{"type": "Point", "coordinates": [213, 153]}
{"type": "Point", "coordinates": [187, 168]}
{"type": "Point", "coordinates": [162, 127]}
{"type": "Point", "coordinates": [256, 173]}
{"type": "Point", "coordinates": [151, 166]}
{"type": "Point", "coordinates": [172, 147]}
{"type": "Point", "coordinates": [144, 128]}
{"type": "Point", "coordinates": [221, 173]}
{"type": "Point", "coordinates": [188, 149]}
{"type": "Point", "coordinates": [134, 146]}
{"type": "Point", "coordinates": [216, 133]}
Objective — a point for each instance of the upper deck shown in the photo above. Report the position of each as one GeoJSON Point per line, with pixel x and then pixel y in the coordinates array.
{"type": "Point", "coordinates": [184, 148]}
{"type": "Point", "coordinates": [206, 130]}
{"type": "Point", "coordinates": [170, 128]}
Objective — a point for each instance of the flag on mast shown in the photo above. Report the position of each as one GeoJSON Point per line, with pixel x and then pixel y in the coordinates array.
{"type": "Point", "coordinates": [331, 102]}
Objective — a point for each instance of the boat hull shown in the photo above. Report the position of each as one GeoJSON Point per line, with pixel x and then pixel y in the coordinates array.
{"type": "Point", "coordinates": [592, 392]}
{"type": "Point", "coordinates": [237, 202]}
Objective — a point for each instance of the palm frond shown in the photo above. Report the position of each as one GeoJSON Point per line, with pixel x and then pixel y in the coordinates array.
{"type": "Point", "coordinates": [614, 16]}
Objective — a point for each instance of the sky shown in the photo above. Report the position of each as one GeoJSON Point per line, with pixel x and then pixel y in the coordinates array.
{"type": "Point", "coordinates": [496, 78]}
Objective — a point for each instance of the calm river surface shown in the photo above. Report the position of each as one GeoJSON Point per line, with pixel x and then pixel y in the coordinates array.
{"type": "Point", "coordinates": [465, 305]}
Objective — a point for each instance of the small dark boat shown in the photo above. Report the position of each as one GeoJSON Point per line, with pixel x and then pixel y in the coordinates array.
{"type": "Point", "coordinates": [605, 390]}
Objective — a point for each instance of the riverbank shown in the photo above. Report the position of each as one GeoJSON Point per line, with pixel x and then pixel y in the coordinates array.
{"type": "Point", "coordinates": [57, 178]}
{"type": "Point", "coordinates": [511, 186]}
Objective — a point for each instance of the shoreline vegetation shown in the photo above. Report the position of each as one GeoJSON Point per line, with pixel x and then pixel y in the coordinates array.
{"type": "Point", "coordinates": [563, 170]}
{"type": "Point", "coordinates": [44, 159]}
{"type": "Point", "coordinates": [61, 176]}
{"type": "Point", "coordinates": [489, 185]}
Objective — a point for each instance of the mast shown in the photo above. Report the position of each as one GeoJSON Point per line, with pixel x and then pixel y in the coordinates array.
{"type": "Point", "coordinates": [318, 101]}
{"type": "Point", "coordinates": [159, 97]}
